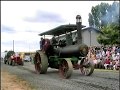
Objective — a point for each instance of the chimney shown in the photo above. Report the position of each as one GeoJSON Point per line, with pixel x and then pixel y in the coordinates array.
{"type": "Point", "coordinates": [79, 28]}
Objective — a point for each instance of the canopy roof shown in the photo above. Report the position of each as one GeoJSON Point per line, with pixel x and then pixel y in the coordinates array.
{"type": "Point", "coordinates": [61, 30]}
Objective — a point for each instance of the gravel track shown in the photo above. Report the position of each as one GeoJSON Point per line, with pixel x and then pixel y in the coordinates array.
{"type": "Point", "coordinates": [99, 80]}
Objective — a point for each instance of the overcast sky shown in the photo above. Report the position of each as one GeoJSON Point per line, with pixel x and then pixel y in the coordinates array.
{"type": "Point", "coordinates": [22, 21]}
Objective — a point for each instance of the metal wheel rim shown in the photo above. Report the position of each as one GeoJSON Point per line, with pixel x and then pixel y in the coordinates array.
{"type": "Point", "coordinates": [38, 63]}
{"type": "Point", "coordinates": [63, 69]}
{"type": "Point", "coordinates": [41, 62]}
{"type": "Point", "coordinates": [67, 70]}
{"type": "Point", "coordinates": [86, 70]}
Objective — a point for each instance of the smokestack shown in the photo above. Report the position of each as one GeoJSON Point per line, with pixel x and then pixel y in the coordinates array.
{"type": "Point", "coordinates": [79, 28]}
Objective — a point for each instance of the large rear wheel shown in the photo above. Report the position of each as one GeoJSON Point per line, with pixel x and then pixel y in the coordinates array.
{"type": "Point", "coordinates": [87, 67]}
{"type": "Point", "coordinates": [41, 62]}
{"type": "Point", "coordinates": [65, 68]}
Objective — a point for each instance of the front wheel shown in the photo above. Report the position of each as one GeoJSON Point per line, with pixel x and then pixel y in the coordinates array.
{"type": "Point", "coordinates": [41, 62]}
{"type": "Point", "coordinates": [87, 67]}
{"type": "Point", "coordinates": [65, 68]}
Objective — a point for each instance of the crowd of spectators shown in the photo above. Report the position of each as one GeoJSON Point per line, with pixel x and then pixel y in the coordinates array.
{"type": "Point", "coordinates": [107, 57]}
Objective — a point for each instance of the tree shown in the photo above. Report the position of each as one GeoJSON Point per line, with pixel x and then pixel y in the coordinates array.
{"type": "Point", "coordinates": [5, 51]}
{"type": "Point", "coordinates": [109, 35]}
{"type": "Point", "coordinates": [104, 14]}
{"type": "Point", "coordinates": [91, 20]}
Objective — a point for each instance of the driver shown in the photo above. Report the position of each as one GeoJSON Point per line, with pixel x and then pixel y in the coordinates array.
{"type": "Point", "coordinates": [42, 42]}
{"type": "Point", "coordinates": [54, 41]}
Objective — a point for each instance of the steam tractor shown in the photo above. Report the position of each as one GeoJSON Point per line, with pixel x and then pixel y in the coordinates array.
{"type": "Point", "coordinates": [12, 59]}
{"type": "Point", "coordinates": [64, 55]}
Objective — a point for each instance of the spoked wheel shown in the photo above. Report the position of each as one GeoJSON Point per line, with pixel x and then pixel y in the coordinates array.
{"type": "Point", "coordinates": [38, 63]}
{"type": "Point", "coordinates": [87, 67]}
{"type": "Point", "coordinates": [65, 68]}
{"type": "Point", "coordinates": [41, 62]}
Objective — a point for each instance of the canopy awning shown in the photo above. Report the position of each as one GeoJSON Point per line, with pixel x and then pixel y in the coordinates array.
{"type": "Point", "coordinates": [61, 30]}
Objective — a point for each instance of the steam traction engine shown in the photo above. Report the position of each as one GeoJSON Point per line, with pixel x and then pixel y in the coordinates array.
{"type": "Point", "coordinates": [64, 56]}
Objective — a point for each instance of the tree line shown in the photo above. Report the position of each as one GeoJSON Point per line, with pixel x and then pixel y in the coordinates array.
{"type": "Point", "coordinates": [106, 18]}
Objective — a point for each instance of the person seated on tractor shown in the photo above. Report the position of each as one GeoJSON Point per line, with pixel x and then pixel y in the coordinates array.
{"type": "Point", "coordinates": [69, 40]}
{"type": "Point", "coordinates": [46, 45]}
{"type": "Point", "coordinates": [48, 48]}
{"type": "Point", "coordinates": [74, 40]}
{"type": "Point", "coordinates": [54, 41]}
{"type": "Point", "coordinates": [62, 43]}
{"type": "Point", "coordinates": [42, 42]}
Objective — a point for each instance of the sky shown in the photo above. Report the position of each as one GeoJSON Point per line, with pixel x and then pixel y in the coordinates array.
{"type": "Point", "coordinates": [22, 21]}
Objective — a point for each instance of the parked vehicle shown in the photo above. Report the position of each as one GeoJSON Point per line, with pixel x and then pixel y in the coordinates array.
{"type": "Point", "coordinates": [27, 58]}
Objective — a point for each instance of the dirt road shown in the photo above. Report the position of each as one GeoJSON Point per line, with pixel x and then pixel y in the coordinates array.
{"type": "Point", "coordinates": [12, 82]}
{"type": "Point", "coordinates": [100, 79]}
